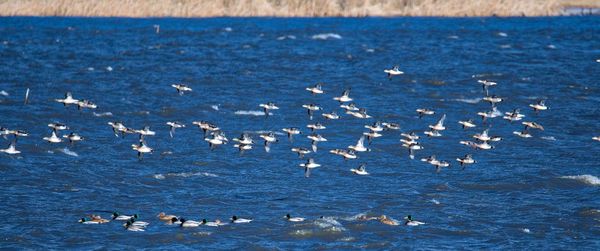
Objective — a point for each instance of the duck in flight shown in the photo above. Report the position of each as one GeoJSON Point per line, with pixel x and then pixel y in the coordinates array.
{"type": "Point", "coordinates": [267, 107]}
{"type": "Point", "coordinates": [310, 164]}
{"type": "Point", "coordinates": [395, 71]}
{"type": "Point", "coordinates": [181, 88]}
{"type": "Point", "coordinates": [345, 97]}
{"type": "Point", "coordinates": [174, 125]}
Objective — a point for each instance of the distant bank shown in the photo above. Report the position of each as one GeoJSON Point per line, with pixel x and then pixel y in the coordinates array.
{"type": "Point", "coordinates": [296, 8]}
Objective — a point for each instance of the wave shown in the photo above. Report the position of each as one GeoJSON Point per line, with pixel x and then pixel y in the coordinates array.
{"type": "Point", "coordinates": [551, 138]}
{"type": "Point", "coordinates": [69, 152]}
{"type": "Point", "coordinates": [103, 114]}
{"type": "Point", "coordinates": [586, 178]}
{"type": "Point", "coordinates": [286, 37]}
{"type": "Point", "coordinates": [251, 113]}
{"type": "Point", "coordinates": [161, 176]}
{"type": "Point", "coordinates": [329, 224]}
{"type": "Point", "coordinates": [325, 36]}
{"type": "Point", "coordinates": [466, 100]}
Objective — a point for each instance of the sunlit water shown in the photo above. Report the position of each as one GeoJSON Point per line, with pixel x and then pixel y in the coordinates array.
{"type": "Point", "coordinates": [539, 193]}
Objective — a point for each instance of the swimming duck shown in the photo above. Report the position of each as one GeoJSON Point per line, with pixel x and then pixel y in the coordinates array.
{"type": "Point", "coordinates": [181, 88]}
{"type": "Point", "coordinates": [244, 139]}
{"type": "Point", "coordinates": [73, 137]}
{"type": "Point", "coordinates": [345, 97]}
{"type": "Point", "coordinates": [311, 108]}
{"type": "Point", "coordinates": [597, 138]}
{"type": "Point", "coordinates": [539, 106]}
{"type": "Point", "coordinates": [486, 84]}
{"type": "Point", "coordinates": [11, 149]}
{"type": "Point", "coordinates": [376, 127]}
{"type": "Point", "coordinates": [523, 134]}
{"type": "Point", "coordinates": [86, 104]}
{"type": "Point", "coordinates": [514, 115]}
{"type": "Point", "coordinates": [68, 100]}
{"type": "Point", "coordinates": [388, 221]}
{"type": "Point", "coordinates": [165, 217]}
{"type": "Point", "coordinates": [331, 115]}
{"type": "Point", "coordinates": [89, 221]}
{"type": "Point", "coordinates": [467, 124]}
{"type": "Point", "coordinates": [439, 126]}
{"type": "Point", "coordinates": [360, 145]}
{"type": "Point", "coordinates": [393, 72]}
{"type": "Point", "coordinates": [349, 107]}
{"type": "Point", "coordinates": [269, 138]}
{"type": "Point", "coordinates": [58, 126]}
{"type": "Point", "coordinates": [268, 106]}
{"type": "Point", "coordinates": [216, 223]}
{"type": "Point", "coordinates": [301, 151]}
{"type": "Point", "coordinates": [117, 216]}
{"type": "Point", "coordinates": [173, 126]}
{"type": "Point", "coordinates": [135, 228]}
{"type": "Point", "coordinates": [235, 219]}
{"type": "Point", "coordinates": [316, 126]}
{"type": "Point", "coordinates": [467, 160]}
{"type": "Point", "coordinates": [118, 127]}
{"type": "Point", "coordinates": [361, 170]}
{"type": "Point", "coordinates": [423, 111]}
{"type": "Point", "coordinates": [291, 131]}
{"type": "Point", "coordinates": [493, 99]}
{"type": "Point", "coordinates": [141, 148]}
{"type": "Point", "coordinates": [135, 222]}
{"type": "Point", "coordinates": [391, 126]}
{"type": "Point", "coordinates": [310, 164]}
{"type": "Point", "coordinates": [189, 223]}
{"type": "Point", "coordinates": [53, 138]}
{"type": "Point", "coordinates": [293, 219]}
{"type": "Point", "coordinates": [317, 89]}
{"type": "Point", "coordinates": [411, 222]}
{"type": "Point", "coordinates": [361, 114]}
{"type": "Point", "coordinates": [533, 125]}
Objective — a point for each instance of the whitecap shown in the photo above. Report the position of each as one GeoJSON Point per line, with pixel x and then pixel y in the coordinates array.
{"type": "Point", "coordinates": [502, 34]}
{"type": "Point", "coordinates": [251, 113]}
{"type": "Point", "coordinates": [264, 132]}
{"type": "Point", "coordinates": [435, 201]}
{"type": "Point", "coordinates": [184, 175]}
{"type": "Point", "coordinates": [103, 114]}
{"type": "Point", "coordinates": [109, 68]}
{"type": "Point", "coordinates": [370, 50]}
{"type": "Point", "coordinates": [159, 176]}
{"type": "Point", "coordinates": [90, 68]}
{"type": "Point", "coordinates": [215, 107]}
{"type": "Point", "coordinates": [286, 37]}
{"type": "Point", "coordinates": [453, 37]}
{"type": "Point", "coordinates": [330, 224]}
{"type": "Point", "coordinates": [526, 230]}
{"type": "Point", "coordinates": [69, 152]}
{"type": "Point", "coordinates": [505, 46]}
{"type": "Point", "coordinates": [325, 36]}
{"type": "Point", "coordinates": [302, 232]}
{"type": "Point", "coordinates": [586, 178]}
{"type": "Point", "coordinates": [551, 138]}
{"type": "Point", "coordinates": [3, 93]}
{"type": "Point", "coordinates": [228, 29]}
{"type": "Point", "coordinates": [467, 100]}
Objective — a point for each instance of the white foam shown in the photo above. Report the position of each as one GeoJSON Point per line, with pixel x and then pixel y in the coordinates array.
{"type": "Point", "coordinates": [109, 68]}
{"type": "Point", "coordinates": [69, 152]}
{"type": "Point", "coordinates": [502, 34]}
{"type": "Point", "coordinates": [551, 138]}
{"type": "Point", "coordinates": [585, 178]}
{"type": "Point", "coordinates": [3, 93]}
{"type": "Point", "coordinates": [286, 37]}
{"type": "Point", "coordinates": [215, 107]}
{"type": "Point", "coordinates": [184, 175]}
{"type": "Point", "coordinates": [526, 230]}
{"type": "Point", "coordinates": [263, 132]}
{"type": "Point", "coordinates": [228, 29]}
{"type": "Point", "coordinates": [103, 114]}
{"type": "Point", "coordinates": [467, 100]}
{"type": "Point", "coordinates": [325, 36]}
{"type": "Point", "coordinates": [251, 113]}
{"type": "Point", "coordinates": [435, 201]}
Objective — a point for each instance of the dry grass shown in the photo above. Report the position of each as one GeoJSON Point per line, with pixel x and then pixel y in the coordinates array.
{"type": "Point", "coordinates": [287, 8]}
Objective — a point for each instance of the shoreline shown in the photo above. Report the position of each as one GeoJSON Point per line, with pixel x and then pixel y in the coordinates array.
{"type": "Point", "coordinates": [297, 8]}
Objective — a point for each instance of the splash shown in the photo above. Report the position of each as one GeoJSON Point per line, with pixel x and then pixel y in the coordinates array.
{"type": "Point", "coordinates": [69, 152]}
{"type": "Point", "coordinates": [586, 178]}
{"type": "Point", "coordinates": [103, 114]}
{"type": "Point", "coordinates": [251, 113]}
{"type": "Point", "coordinates": [326, 36]}
{"type": "Point", "coordinates": [161, 176]}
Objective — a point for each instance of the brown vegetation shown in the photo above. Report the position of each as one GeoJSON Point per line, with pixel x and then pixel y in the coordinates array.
{"type": "Point", "coordinates": [287, 8]}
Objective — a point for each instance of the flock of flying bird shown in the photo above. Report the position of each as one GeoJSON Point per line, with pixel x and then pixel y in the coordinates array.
{"type": "Point", "coordinates": [215, 137]}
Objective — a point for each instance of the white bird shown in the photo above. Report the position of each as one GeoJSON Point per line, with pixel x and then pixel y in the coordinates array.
{"type": "Point", "coordinates": [467, 124]}
{"type": "Point", "coordinates": [293, 219]}
{"type": "Point", "coordinates": [331, 115]}
{"type": "Point", "coordinates": [424, 111]}
{"type": "Point", "coordinates": [73, 137]}
{"type": "Point", "coordinates": [86, 104]}
{"type": "Point", "coordinates": [411, 148]}
{"type": "Point", "coordinates": [173, 126]}
{"type": "Point", "coordinates": [268, 106]}
{"type": "Point", "coordinates": [301, 151]}
{"type": "Point", "coordinates": [523, 134]}
{"type": "Point", "coordinates": [393, 72]}
{"type": "Point", "coordinates": [360, 145]}
{"type": "Point", "coordinates": [311, 108]}
{"type": "Point", "coordinates": [291, 131]}
{"type": "Point", "coordinates": [68, 100]}
{"type": "Point", "coordinates": [467, 160]}
{"type": "Point", "coordinates": [316, 126]}
{"type": "Point", "coordinates": [269, 138]}
{"type": "Point", "coordinates": [486, 84]}
{"type": "Point", "coordinates": [361, 113]}
{"type": "Point", "coordinates": [53, 138]}
{"type": "Point", "coordinates": [245, 139]}
{"type": "Point", "coordinates": [235, 219]}
{"type": "Point", "coordinates": [376, 127]}
{"type": "Point", "coordinates": [539, 106]}
{"type": "Point", "coordinates": [118, 127]}
{"type": "Point", "coordinates": [317, 89]}
{"type": "Point", "coordinates": [513, 116]}
{"type": "Point", "coordinates": [411, 222]}
{"type": "Point", "coordinates": [181, 88]}
{"type": "Point", "coordinates": [310, 164]}
{"type": "Point", "coordinates": [141, 148]}
{"type": "Point", "coordinates": [349, 107]}
{"type": "Point", "coordinates": [345, 96]}
{"type": "Point", "coordinates": [11, 149]}
{"type": "Point", "coordinates": [439, 126]}
{"type": "Point", "coordinates": [360, 170]}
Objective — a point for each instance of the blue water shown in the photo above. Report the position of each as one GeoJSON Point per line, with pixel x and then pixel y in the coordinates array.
{"type": "Point", "coordinates": [525, 193]}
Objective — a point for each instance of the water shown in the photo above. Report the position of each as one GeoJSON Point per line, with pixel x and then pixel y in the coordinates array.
{"type": "Point", "coordinates": [540, 192]}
